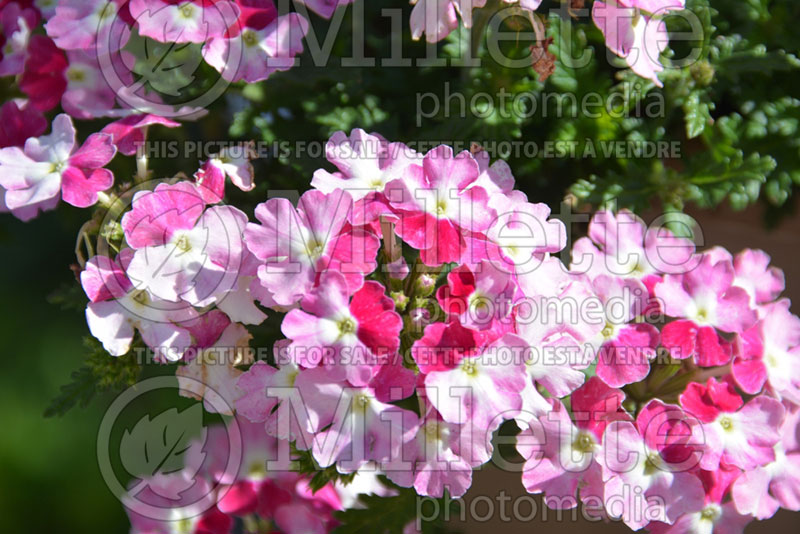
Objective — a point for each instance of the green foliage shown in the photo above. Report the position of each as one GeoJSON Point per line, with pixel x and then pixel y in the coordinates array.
{"type": "Point", "coordinates": [389, 515]}
{"type": "Point", "coordinates": [304, 463]}
{"type": "Point", "coordinates": [101, 373]}
{"type": "Point", "coordinates": [725, 122]}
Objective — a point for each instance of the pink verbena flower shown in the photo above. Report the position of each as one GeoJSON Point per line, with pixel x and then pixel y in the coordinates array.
{"type": "Point", "coordinates": [436, 206]}
{"type": "Point", "coordinates": [129, 133]}
{"type": "Point", "coordinates": [362, 428]}
{"type": "Point", "coordinates": [359, 332]}
{"type": "Point", "coordinates": [521, 236]}
{"type": "Point", "coordinates": [296, 245]}
{"type": "Point", "coordinates": [477, 295]}
{"type": "Point", "coordinates": [770, 354]}
{"type": "Point", "coordinates": [17, 22]}
{"type": "Point", "coordinates": [646, 467]}
{"type": "Point", "coordinates": [705, 299]}
{"type": "Point", "coordinates": [760, 492]}
{"type": "Point", "coordinates": [634, 31]}
{"type": "Point", "coordinates": [231, 162]}
{"type": "Point", "coordinates": [117, 308]}
{"type": "Point", "coordinates": [623, 245]}
{"type": "Point", "coordinates": [711, 514]}
{"type": "Point", "coordinates": [87, 95]}
{"type": "Point", "coordinates": [365, 163]}
{"type": "Point", "coordinates": [753, 273]}
{"type": "Point", "coordinates": [92, 26]}
{"type": "Point", "coordinates": [287, 501]}
{"type": "Point", "coordinates": [50, 166]}
{"type": "Point", "coordinates": [625, 347]}
{"type": "Point", "coordinates": [269, 395]}
{"type": "Point", "coordinates": [430, 462]}
{"type": "Point", "coordinates": [193, 21]}
{"type": "Point", "coordinates": [437, 18]}
{"type": "Point", "coordinates": [730, 431]}
{"type": "Point", "coordinates": [183, 252]}
{"type": "Point", "coordinates": [470, 381]}
{"type": "Point", "coordinates": [560, 457]}
{"type": "Point", "coordinates": [213, 366]}
{"type": "Point", "coordinates": [263, 50]}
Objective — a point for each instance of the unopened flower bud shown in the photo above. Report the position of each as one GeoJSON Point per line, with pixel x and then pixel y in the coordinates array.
{"type": "Point", "coordinates": [424, 285]}
{"type": "Point", "coordinates": [400, 300]}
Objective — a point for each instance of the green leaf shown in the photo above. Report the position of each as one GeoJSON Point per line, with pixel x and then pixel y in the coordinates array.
{"type": "Point", "coordinates": [697, 113]}
{"type": "Point", "coordinates": [101, 373]}
{"type": "Point", "coordinates": [389, 515]}
{"type": "Point", "coordinates": [304, 463]}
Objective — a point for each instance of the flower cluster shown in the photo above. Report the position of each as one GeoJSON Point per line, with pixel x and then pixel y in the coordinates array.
{"type": "Point", "coordinates": [423, 306]}
{"type": "Point", "coordinates": [101, 58]}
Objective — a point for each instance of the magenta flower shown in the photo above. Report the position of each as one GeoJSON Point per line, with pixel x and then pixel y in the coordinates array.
{"type": "Point", "coordinates": [704, 299]}
{"type": "Point", "coordinates": [760, 492]}
{"type": "Point", "coordinates": [296, 245]}
{"type": "Point", "coordinates": [365, 163]}
{"type": "Point", "coordinates": [43, 75]}
{"type": "Point", "coordinates": [753, 273]}
{"type": "Point", "coordinates": [182, 251]}
{"type": "Point", "coordinates": [271, 396]}
{"type": "Point", "coordinates": [128, 133]}
{"type": "Point", "coordinates": [625, 347]}
{"type": "Point", "coordinates": [646, 467]}
{"type": "Point", "coordinates": [214, 366]}
{"type": "Point", "coordinates": [730, 431]}
{"type": "Point", "coordinates": [430, 462]}
{"type": "Point", "coordinates": [325, 8]}
{"type": "Point", "coordinates": [436, 206]}
{"type": "Point", "coordinates": [466, 381]}
{"type": "Point", "coordinates": [713, 514]}
{"type": "Point", "coordinates": [360, 332]}
{"type": "Point", "coordinates": [520, 236]}
{"type": "Point", "coordinates": [478, 295]}
{"type": "Point", "coordinates": [88, 94]}
{"type": "Point", "coordinates": [623, 245]}
{"type": "Point", "coordinates": [18, 122]}
{"type": "Point", "coordinates": [437, 18]}
{"type": "Point", "coordinates": [233, 163]}
{"type": "Point", "coordinates": [770, 354]}
{"type": "Point", "coordinates": [50, 166]}
{"type": "Point", "coordinates": [361, 428]}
